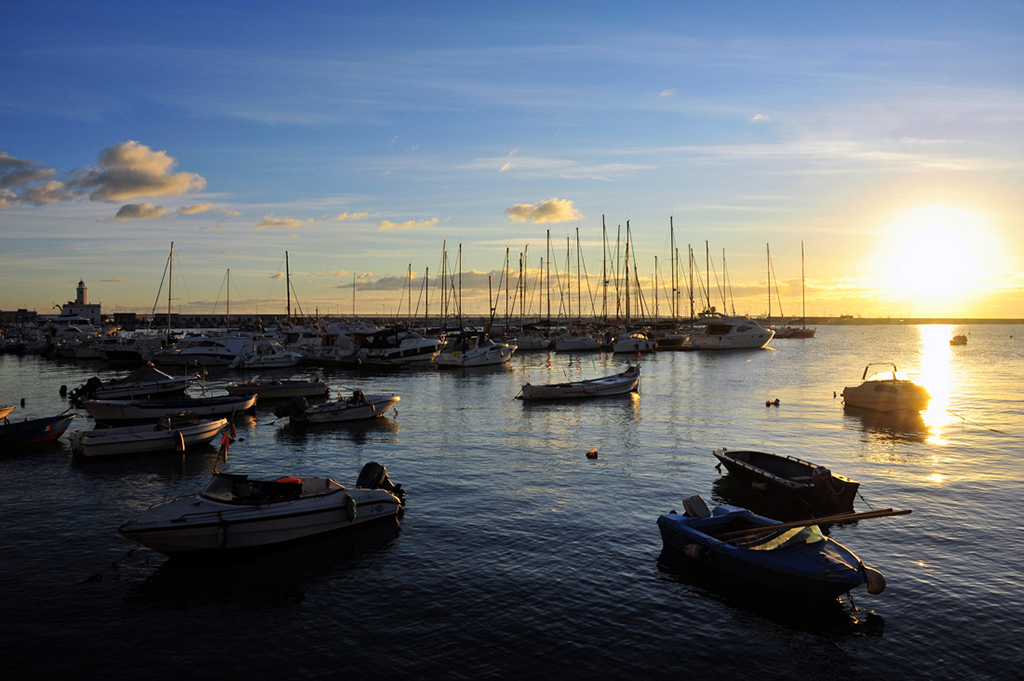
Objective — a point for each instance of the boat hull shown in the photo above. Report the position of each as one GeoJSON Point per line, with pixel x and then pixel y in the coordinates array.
{"type": "Point", "coordinates": [619, 384]}
{"type": "Point", "coordinates": [146, 439]}
{"type": "Point", "coordinates": [347, 410]}
{"type": "Point", "coordinates": [34, 431]}
{"type": "Point", "coordinates": [281, 390]}
{"type": "Point", "coordinates": [791, 480]}
{"type": "Point", "coordinates": [199, 525]}
{"type": "Point", "coordinates": [121, 411]}
{"type": "Point", "coordinates": [826, 568]}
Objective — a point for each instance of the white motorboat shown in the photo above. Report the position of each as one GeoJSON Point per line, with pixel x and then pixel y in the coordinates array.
{"type": "Point", "coordinates": [633, 342]}
{"type": "Point", "coordinates": [530, 342]}
{"type": "Point", "coordinates": [169, 435]}
{"type": "Point", "coordinates": [141, 411]}
{"type": "Point", "coordinates": [233, 512]}
{"type": "Point", "coordinates": [716, 331]}
{"type": "Point", "coordinates": [393, 346]}
{"type": "Point", "coordinates": [619, 384]}
{"type": "Point", "coordinates": [473, 350]}
{"type": "Point", "coordinates": [207, 351]}
{"type": "Point", "coordinates": [353, 408]}
{"type": "Point", "coordinates": [276, 390]}
{"type": "Point", "coordinates": [886, 391]}
{"type": "Point", "coordinates": [264, 354]}
{"type": "Point", "coordinates": [147, 381]}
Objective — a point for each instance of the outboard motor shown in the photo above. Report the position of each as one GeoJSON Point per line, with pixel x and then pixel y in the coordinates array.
{"type": "Point", "coordinates": [296, 406]}
{"type": "Point", "coordinates": [84, 390]}
{"type": "Point", "coordinates": [375, 476]}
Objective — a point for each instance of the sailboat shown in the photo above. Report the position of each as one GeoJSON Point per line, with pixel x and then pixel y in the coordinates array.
{"type": "Point", "coordinates": [793, 331]}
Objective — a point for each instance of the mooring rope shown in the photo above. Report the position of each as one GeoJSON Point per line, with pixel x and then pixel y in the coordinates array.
{"type": "Point", "coordinates": [967, 420]}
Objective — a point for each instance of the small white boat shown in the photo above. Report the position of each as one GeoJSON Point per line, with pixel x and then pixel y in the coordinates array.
{"type": "Point", "coordinates": [619, 384]}
{"type": "Point", "coordinates": [167, 436]}
{"type": "Point", "coordinates": [276, 390]}
{"type": "Point", "coordinates": [474, 350]}
{"type": "Point", "coordinates": [354, 408]}
{"type": "Point", "coordinates": [530, 342]}
{"type": "Point", "coordinates": [578, 343]}
{"type": "Point", "coordinates": [265, 354]}
{"type": "Point", "coordinates": [393, 346]}
{"type": "Point", "coordinates": [147, 381]}
{"type": "Point", "coordinates": [206, 351]}
{"type": "Point", "coordinates": [111, 411]}
{"type": "Point", "coordinates": [233, 512]}
{"type": "Point", "coordinates": [886, 391]}
{"type": "Point", "coordinates": [958, 340]}
{"type": "Point", "coordinates": [633, 342]}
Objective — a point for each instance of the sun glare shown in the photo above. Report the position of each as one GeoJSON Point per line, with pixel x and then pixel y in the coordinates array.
{"type": "Point", "coordinates": [930, 252]}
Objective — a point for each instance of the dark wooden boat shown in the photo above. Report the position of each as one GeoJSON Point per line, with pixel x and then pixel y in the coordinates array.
{"type": "Point", "coordinates": [33, 431]}
{"type": "Point", "coordinates": [800, 483]}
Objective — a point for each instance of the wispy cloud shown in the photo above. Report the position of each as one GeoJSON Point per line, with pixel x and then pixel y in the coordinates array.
{"type": "Point", "coordinates": [286, 222]}
{"type": "Point", "coordinates": [196, 209]}
{"type": "Point", "coordinates": [759, 118]}
{"type": "Point", "coordinates": [667, 93]}
{"type": "Point", "coordinates": [410, 224]}
{"type": "Point", "coordinates": [351, 216]}
{"type": "Point", "coordinates": [552, 210]}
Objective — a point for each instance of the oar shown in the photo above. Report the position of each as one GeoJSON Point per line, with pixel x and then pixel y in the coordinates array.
{"type": "Point", "coordinates": [840, 518]}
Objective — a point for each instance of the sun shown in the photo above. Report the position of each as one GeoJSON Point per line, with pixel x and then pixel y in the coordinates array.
{"type": "Point", "coordinates": [930, 253]}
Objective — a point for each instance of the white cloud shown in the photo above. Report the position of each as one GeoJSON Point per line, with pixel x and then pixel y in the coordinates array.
{"type": "Point", "coordinates": [759, 118]}
{"type": "Point", "coordinates": [552, 210]}
{"type": "Point", "coordinates": [351, 216]}
{"type": "Point", "coordinates": [130, 170]}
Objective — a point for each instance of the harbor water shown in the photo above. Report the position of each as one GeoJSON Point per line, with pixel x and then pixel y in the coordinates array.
{"type": "Point", "coordinates": [519, 557]}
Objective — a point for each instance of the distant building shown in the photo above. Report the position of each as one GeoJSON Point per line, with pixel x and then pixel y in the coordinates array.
{"type": "Point", "coordinates": [80, 307]}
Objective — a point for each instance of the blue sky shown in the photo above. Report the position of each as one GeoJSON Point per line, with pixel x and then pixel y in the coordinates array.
{"type": "Point", "coordinates": [886, 137]}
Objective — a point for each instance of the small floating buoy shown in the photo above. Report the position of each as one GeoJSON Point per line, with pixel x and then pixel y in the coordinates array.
{"type": "Point", "coordinates": [776, 402]}
{"type": "Point", "coordinates": [63, 391]}
{"type": "Point", "coordinates": [592, 454]}
{"type": "Point", "coordinates": [833, 394]}
{"type": "Point", "coordinates": [23, 401]}
{"type": "Point", "coordinates": [875, 580]}
{"type": "Point", "coordinates": [767, 403]}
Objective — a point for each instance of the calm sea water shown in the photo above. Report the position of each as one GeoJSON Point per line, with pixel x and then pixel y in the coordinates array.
{"type": "Point", "coordinates": [518, 556]}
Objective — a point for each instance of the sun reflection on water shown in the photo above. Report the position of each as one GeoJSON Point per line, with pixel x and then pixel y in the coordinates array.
{"type": "Point", "coordinates": [935, 376]}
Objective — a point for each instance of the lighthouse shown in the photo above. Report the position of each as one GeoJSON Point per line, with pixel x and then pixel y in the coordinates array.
{"type": "Point", "coordinates": [81, 299]}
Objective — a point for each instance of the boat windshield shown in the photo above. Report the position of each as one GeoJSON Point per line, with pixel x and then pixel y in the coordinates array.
{"type": "Point", "coordinates": [792, 537]}
{"type": "Point", "coordinates": [888, 376]}
{"type": "Point", "coordinates": [238, 489]}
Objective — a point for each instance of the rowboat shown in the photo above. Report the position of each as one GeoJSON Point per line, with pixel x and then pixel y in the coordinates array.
{"type": "Point", "coordinates": [147, 381]}
{"type": "Point", "coordinates": [619, 384]}
{"type": "Point", "coordinates": [356, 407]}
{"type": "Point", "coordinates": [234, 513]}
{"type": "Point", "coordinates": [802, 484]}
{"type": "Point", "coordinates": [33, 431]}
{"type": "Point", "coordinates": [797, 558]}
{"type": "Point", "coordinates": [141, 411]}
{"type": "Point", "coordinates": [276, 390]}
{"type": "Point", "coordinates": [167, 436]}
{"type": "Point", "coordinates": [886, 391]}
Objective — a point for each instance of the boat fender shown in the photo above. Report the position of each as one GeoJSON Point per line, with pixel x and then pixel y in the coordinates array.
{"type": "Point", "coordinates": [351, 509]}
{"type": "Point", "coordinates": [222, 536]}
{"type": "Point", "coordinates": [63, 391]}
{"type": "Point", "coordinates": [179, 443]}
{"type": "Point", "coordinates": [592, 454]}
{"type": "Point", "coordinates": [695, 552]}
{"type": "Point", "coordinates": [875, 579]}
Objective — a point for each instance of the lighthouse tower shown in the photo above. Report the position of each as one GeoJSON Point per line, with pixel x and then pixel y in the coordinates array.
{"type": "Point", "coordinates": [81, 299]}
{"type": "Point", "coordinates": [80, 307]}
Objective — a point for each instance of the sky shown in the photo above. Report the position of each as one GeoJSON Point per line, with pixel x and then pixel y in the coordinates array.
{"type": "Point", "coordinates": [885, 139]}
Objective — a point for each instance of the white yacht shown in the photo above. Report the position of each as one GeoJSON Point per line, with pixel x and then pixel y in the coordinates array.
{"type": "Point", "coordinates": [716, 331]}
{"type": "Point", "coordinates": [204, 351]}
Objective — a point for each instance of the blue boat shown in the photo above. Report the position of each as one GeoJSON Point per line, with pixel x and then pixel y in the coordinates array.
{"type": "Point", "coordinates": [798, 559]}
{"type": "Point", "coordinates": [33, 431]}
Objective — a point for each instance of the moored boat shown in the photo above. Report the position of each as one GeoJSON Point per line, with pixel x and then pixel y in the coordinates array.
{"type": "Point", "coordinates": [716, 331]}
{"type": "Point", "coordinates": [276, 390]}
{"type": "Point", "coordinates": [619, 384]}
{"type": "Point", "coordinates": [356, 407]}
{"type": "Point", "coordinates": [147, 381]}
{"type": "Point", "coordinates": [113, 411]}
{"type": "Point", "coordinates": [473, 349]}
{"type": "Point", "coordinates": [800, 483]}
{"type": "Point", "coordinates": [5, 410]}
{"type": "Point", "coordinates": [958, 340]}
{"type": "Point", "coordinates": [33, 431]}
{"type": "Point", "coordinates": [233, 512]}
{"type": "Point", "coordinates": [795, 558]}
{"type": "Point", "coordinates": [175, 433]}
{"type": "Point", "coordinates": [886, 391]}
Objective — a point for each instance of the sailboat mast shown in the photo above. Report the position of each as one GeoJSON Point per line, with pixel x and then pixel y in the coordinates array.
{"type": "Point", "coordinates": [627, 275]}
{"type": "Point", "coordinates": [568, 282]}
{"type": "Point", "coordinates": [288, 286]}
{"type": "Point", "coordinates": [769, 253]}
{"type": "Point", "coordinates": [409, 307]}
{"type": "Point", "coordinates": [548, 261]}
{"type": "Point", "coordinates": [170, 281]}
{"type": "Point", "coordinates": [229, 301]}
{"type": "Point", "coordinates": [604, 270]}
{"type": "Point", "coordinates": [803, 286]}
